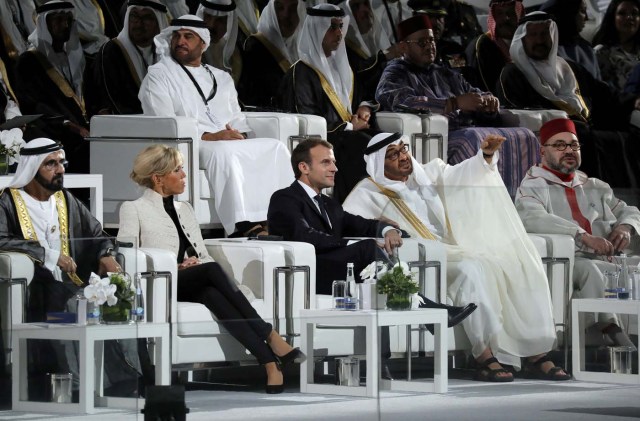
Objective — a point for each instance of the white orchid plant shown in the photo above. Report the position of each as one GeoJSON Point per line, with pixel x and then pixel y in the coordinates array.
{"type": "Point", "coordinates": [108, 290]}
{"type": "Point", "coordinates": [10, 143]}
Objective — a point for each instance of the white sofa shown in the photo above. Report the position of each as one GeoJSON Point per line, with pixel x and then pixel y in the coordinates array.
{"type": "Point", "coordinates": [428, 133]}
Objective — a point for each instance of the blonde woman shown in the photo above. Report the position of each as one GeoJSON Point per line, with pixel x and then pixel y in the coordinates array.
{"type": "Point", "coordinates": [157, 220]}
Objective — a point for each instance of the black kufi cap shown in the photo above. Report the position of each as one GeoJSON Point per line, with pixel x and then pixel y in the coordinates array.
{"type": "Point", "coordinates": [384, 142]}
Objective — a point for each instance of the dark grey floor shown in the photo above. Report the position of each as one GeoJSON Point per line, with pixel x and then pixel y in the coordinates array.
{"type": "Point", "coordinates": [241, 398]}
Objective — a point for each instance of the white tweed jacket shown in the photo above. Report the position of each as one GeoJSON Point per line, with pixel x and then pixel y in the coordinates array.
{"type": "Point", "coordinates": [145, 222]}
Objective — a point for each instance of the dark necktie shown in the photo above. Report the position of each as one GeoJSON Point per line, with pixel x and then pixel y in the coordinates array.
{"type": "Point", "coordinates": [323, 211]}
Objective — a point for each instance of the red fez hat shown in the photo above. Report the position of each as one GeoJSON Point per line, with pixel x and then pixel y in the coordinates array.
{"type": "Point", "coordinates": [413, 24]}
{"type": "Point", "coordinates": [555, 126]}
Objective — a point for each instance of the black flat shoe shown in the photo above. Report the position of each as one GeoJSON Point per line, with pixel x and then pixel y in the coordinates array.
{"type": "Point", "coordinates": [293, 356]}
{"type": "Point", "coordinates": [274, 389]}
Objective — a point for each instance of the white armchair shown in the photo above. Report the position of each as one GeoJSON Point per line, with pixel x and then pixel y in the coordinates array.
{"type": "Point", "coordinates": [428, 133]}
{"type": "Point", "coordinates": [16, 272]}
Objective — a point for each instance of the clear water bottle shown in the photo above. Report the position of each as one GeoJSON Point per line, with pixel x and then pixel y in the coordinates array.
{"type": "Point", "coordinates": [93, 313]}
{"type": "Point", "coordinates": [352, 296]}
{"type": "Point", "coordinates": [81, 309]}
{"type": "Point", "coordinates": [624, 286]}
{"type": "Point", "coordinates": [137, 309]}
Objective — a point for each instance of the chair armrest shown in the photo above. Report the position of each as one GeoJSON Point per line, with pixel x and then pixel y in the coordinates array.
{"type": "Point", "coordinates": [531, 119]}
{"type": "Point", "coordinates": [273, 125]}
{"type": "Point", "coordinates": [428, 133]}
{"type": "Point", "coordinates": [558, 255]}
{"type": "Point", "coordinates": [16, 269]}
{"type": "Point", "coordinates": [159, 260]}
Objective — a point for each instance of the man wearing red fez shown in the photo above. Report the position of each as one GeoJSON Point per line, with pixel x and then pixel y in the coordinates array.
{"type": "Point", "coordinates": [416, 81]}
{"type": "Point", "coordinates": [556, 198]}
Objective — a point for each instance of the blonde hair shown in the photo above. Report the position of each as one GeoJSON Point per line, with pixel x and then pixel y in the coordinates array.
{"type": "Point", "coordinates": [155, 159]}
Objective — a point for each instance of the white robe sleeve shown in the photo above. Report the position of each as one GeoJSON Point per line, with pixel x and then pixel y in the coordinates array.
{"type": "Point", "coordinates": [156, 94]}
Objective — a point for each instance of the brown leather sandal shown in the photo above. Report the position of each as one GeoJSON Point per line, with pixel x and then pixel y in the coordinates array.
{"type": "Point", "coordinates": [484, 373]}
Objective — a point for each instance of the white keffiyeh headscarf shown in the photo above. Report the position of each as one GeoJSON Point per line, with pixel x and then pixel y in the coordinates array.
{"type": "Point", "coordinates": [269, 27]}
{"type": "Point", "coordinates": [248, 14]}
{"type": "Point", "coordinates": [176, 7]}
{"type": "Point", "coordinates": [228, 42]}
{"type": "Point", "coordinates": [30, 162]}
{"type": "Point", "coordinates": [163, 39]}
{"type": "Point", "coordinates": [335, 68]}
{"type": "Point", "coordinates": [90, 20]}
{"type": "Point", "coordinates": [552, 78]}
{"type": "Point", "coordinates": [424, 202]}
{"type": "Point", "coordinates": [160, 11]}
{"type": "Point", "coordinates": [42, 41]}
{"type": "Point", "coordinates": [370, 43]}
{"type": "Point", "coordinates": [9, 12]}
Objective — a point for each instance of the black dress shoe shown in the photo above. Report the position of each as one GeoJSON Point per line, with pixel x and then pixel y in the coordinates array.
{"type": "Point", "coordinates": [455, 314]}
{"type": "Point", "coordinates": [293, 356]}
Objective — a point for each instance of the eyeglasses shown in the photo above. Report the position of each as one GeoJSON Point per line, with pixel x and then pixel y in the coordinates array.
{"type": "Point", "coordinates": [561, 146]}
{"type": "Point", "coordinates": [422, 42]}
{"type": "Point", "coordinates": [52, 164]}
{"type": "Point", "coordinates": [396, 154]}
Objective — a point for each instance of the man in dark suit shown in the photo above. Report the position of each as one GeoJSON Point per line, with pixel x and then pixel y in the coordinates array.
{"type": "Point", "coordinates": [301, 213]}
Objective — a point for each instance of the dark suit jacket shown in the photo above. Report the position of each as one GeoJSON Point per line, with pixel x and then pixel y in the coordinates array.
{"type": "Point", "coordinates": [293, 215]}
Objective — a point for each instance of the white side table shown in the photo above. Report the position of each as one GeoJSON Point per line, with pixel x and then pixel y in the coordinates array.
{"type": "Point", "coordinates": [598, 305]}
{"type": "Point", "coordinates": [372, 321]}
{"type": "Point", "coordinates": [91, 359]}
{"type": "Point", "coordinates": [78, 181]}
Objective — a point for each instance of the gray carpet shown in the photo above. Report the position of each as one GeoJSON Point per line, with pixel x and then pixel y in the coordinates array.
{"type": "Point", "coordinates": [466, 400]}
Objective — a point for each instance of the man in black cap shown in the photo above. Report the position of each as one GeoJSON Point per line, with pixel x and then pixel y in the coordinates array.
{"type": "Point", "coordinates": [450, 45]}
{"type": "Point", "coordinates": [416, 81]}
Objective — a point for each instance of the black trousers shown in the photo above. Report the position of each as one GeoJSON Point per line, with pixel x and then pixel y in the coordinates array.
{"type": "Point", "coordinates": [208, 284]}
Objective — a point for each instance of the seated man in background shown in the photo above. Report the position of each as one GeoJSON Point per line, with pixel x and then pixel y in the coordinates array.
{"type": "Point", "coordinates": [181, 85]}
{"type": "Point", "coordinates": [221, 19]}
{"type": "Point", "coordinates": [322, 83]}
{"type": "Point", "coordinates": [269, 53]}
{"type": "Point", "coordinates": [50, 81]}
{"type": "Point", "coordinates": [367, 43]}
{"type": "Point", "coordinates": [490, 259]}
{"type": "Point", "coordinates": [416, 81]}
{"type": "Point", "coordinates": [556, 198]}
{"type": "Point", "coordinates": [489, 53]}
{"type": "Point", "coordinates": [122, 63]}
{"type": "Point", "coordinates": [538, 78]}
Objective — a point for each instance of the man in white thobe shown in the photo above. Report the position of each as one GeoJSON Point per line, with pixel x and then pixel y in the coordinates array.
{"type": "Point", "coordinates": [556, 198]}
{"type": "Point", "coordinates": [497, 266]}
{"type": "Point", "coordinates": [242, 172]}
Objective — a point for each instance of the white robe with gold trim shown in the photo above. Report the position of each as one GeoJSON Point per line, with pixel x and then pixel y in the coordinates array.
{"type": "Point", "coordinates": [490, 258]}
